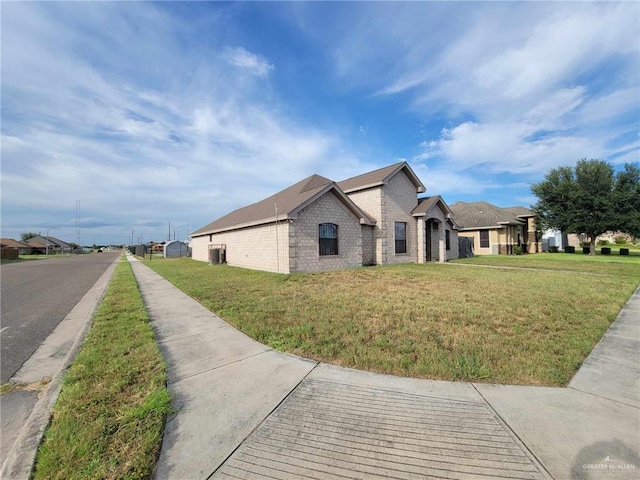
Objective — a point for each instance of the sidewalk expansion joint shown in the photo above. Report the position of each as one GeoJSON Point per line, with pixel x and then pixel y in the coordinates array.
{"type": "Point", "coordinates": [602, 397]}
{"type": "Point", "coordinates": [261, 422]}
{"type": "Point", "coordinates": [513, 432]}
{"type": "Point", "coordinates": [171, 382]}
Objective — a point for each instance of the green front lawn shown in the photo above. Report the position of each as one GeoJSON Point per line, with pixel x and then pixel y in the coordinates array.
{"type": "Point", "coordinates": [575, 262]}
{"type": "Point", "coordinates": [448, 322]}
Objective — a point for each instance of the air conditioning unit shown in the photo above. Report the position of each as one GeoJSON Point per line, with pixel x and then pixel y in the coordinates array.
{"type": "Point", "coordinates": [217, 254]}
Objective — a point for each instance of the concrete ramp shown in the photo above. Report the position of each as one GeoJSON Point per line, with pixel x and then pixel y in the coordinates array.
{"type": "Point", "coordinates": [351, 429]}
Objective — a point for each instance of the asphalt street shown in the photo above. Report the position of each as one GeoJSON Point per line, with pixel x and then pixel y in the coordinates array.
{"type": "Point", "coordinates": [36, 295]}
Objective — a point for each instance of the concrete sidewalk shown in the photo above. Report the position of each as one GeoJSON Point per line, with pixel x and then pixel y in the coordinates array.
{"type": "Point", "coordinates": [247, 411]}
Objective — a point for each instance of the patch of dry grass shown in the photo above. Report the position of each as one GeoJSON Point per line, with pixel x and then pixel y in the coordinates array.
{"type": "Point", "coordinates": [431, 321]}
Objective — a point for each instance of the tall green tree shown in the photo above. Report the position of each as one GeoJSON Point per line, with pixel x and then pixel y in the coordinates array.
{"type": "Point", "coordinates": [627, 199]}
{"type": "Point", "coordinates": [27, 235]}
{"type": "Point", "coordinates": [589, 198]}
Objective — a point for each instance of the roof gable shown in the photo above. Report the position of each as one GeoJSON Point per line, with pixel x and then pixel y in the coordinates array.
{"type": "Point", "coordinates": [380, 177]}
{"type": "Point", "coordinates": [426, 203]}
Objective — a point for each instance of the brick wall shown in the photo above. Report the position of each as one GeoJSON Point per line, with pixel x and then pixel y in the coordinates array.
{"type": "Point", "coordinates": [399, 198]}
{"type": "Point", "coordinates": [252, 247]}
{"type": "Point", "coordinates": [371, 202]}
{"type": "Point", "coordinates": [305, 256]}
{"type": "Point", "coordinates": [454, 251]}
{"type": "Point", "coordinates": [368, 245]}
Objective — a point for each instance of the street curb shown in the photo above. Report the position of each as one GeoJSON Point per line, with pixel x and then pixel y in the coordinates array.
{"type": "Point", "coordinates": [20, 460]}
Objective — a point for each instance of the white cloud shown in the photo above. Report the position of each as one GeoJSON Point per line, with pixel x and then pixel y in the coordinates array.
{"type": "Point", "coordinates": [134, 125]}
{"type": "Point", "coordinates": [520, 87]}
{"type": "Point", "coordinates": [251, 62]}
{"type": "Point", "coordinates": [443, 181]}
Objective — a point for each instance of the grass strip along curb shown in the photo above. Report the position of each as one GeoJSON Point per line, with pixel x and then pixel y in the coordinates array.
{"type": "Point", "coordinates": [109, 418]}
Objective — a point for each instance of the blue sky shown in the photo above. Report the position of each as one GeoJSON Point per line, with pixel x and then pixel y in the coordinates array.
{"type": "Point", "coordinates": [150, 113]}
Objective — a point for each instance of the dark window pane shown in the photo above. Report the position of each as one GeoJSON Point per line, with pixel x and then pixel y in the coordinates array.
{"type": "Point", "coordinates": [401, 237]}
{"type": "Point", "coordinates": [484, 238]}
{"type": "Point", "coordinates": [328, 239]}
{"type": "Point", "coordinates": [447, 238]}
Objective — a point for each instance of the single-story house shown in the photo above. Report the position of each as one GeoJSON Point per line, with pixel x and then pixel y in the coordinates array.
{"type": "Point", "coordinates": [22, 247]}
{"type": "Point", "coordinates": [50, 245]}
{"type": "Point", "coordinates": [317, 224]}
{"type": "Point", "coordinates": [496, 230]}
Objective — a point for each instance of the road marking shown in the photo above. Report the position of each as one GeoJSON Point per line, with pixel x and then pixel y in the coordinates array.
{"type": "Point", "coordinates": [3, 329]}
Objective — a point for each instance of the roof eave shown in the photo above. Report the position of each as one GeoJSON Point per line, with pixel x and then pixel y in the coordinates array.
{"type": "Point", "coordinates": [239, 226]}
{"type": "Point", "coordinates": [364, 187]}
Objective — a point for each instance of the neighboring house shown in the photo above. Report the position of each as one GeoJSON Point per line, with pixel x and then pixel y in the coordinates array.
{"type": "Point", "coordinates": [23, 248]}
{"type": "Point", "coordinates": [51, 245]}
{"type": "Point", "coordinates": [496, 230]}
{"type": "Point", "coordinates": [317, 224]}
{"type": "Point", "coordinates": [611, 237]}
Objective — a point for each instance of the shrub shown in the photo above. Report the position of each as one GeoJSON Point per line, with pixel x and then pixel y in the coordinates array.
{"type": "Point", "coordinates": [517, 250]}
{"type": "Point", "coordinates": [602, 243]}
{"type": "Point", "coordinates": [620, 240]}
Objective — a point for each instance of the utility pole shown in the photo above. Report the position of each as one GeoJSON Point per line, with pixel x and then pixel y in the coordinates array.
{"type": "Point", "coordinates": [77, 223]}
{"type": "Point", "coordinates": [277, 240]}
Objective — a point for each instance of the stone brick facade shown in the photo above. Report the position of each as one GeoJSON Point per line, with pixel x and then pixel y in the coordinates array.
{"type": "Point", "coordinates": [370, 201]}
{"type": "Point", "coordinates": [264, 247]}
{"type": "Point", "coordinates": [388, 204]}
{"type": "Point", "coordinates": [305, 255]}
{"type": "Point", "coordinates": [399, 198]}
{"type": "Point", "coordinates": [296, 239]}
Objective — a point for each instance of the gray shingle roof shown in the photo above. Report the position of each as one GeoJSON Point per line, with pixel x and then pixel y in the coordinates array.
{"type": "Point", "coordinates": [519, 211]}
{"type": "Point", "coordinates": [289, 202]}
{"type": "Point", "coordinates": [51, 240]}
{"type": "Point", "coordinates": [485, 215]}
{"type": "Point", "coordinates": [380, 177]}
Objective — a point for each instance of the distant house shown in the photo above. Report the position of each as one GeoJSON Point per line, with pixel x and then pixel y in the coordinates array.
{"type": "Point", "coordinates": [496, 230]}
{"type": "Point", "coordinates": [318, 224]}
{"type": "Point", "coordinates": [51, 245]}
{"type": "Point", "coordinates": [22, 247]}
